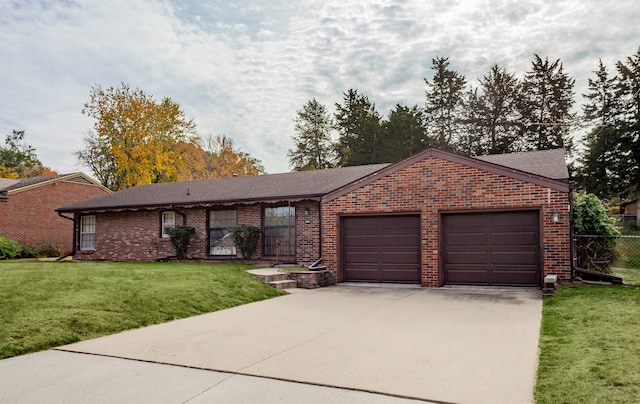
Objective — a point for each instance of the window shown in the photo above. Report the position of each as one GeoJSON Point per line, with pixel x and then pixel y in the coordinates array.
{"type": "Point", "coordinates": [280, 231]}
{"type": "Point", "coordinates": [220, 240]}
{"type": "Point", "coordinates": [168, 222]}
{"type": "Point", "coordinates": [87, 233]}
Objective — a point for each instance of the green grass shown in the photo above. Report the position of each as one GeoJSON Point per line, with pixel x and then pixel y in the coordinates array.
{"type": "Point", "coordinates": [590, 346]}
{"type": "Point", "coordinates": [628, 253]}
{"type": "Point", "coordinates": [629, 276]}
{"type": "Point", "coordinates": [48, 304]}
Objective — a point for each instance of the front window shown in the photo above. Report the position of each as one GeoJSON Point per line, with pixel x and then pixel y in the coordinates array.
{"type": "Point", "coordinates": [88, 233]}
{"type": "Point", "coordinates": [280, 231]}
{"type": "Point", "coordinates": [168, 222]}
{"type": "Point", "coordinates": [220, 240]}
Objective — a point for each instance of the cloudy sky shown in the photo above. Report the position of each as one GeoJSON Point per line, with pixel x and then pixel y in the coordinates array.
{"type": "Point", "coordinates": [242, 68]}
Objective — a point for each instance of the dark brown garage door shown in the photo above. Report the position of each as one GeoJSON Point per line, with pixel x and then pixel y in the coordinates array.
{"type": "Point", "coordinates": [381, 249]}
{"type": "Point", "coordinates": [498, 248]}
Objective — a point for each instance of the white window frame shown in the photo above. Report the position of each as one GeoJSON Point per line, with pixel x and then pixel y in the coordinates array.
{"type": "Point", "coordinates": [87, 233]}
{"type": "Point", "coordinates": [168, 220]}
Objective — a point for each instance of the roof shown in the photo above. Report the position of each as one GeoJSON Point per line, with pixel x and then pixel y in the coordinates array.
{"type": "Point", "coordinates": [9, 186]}
{"type": "Point", "coordinates": [546, 168]}
{"type": "Point", "coordinates": [547, 163]}
{"type": "Point", "coordinates": [249, 189]}
{"type": "Point", "coordinates": [532, 175]}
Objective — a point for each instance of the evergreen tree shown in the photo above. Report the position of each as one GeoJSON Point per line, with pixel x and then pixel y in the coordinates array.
{"type": "Point", "coordinates": [498, 111]}
{"type": "Point", "coordinates": [444, 104]}
{"type": "Point", "coordinates": [603, 169]}
{"type": "Point", "coordinates": [361, 138]}
{"type": "Point", "coordinates": [628, 94]}
{"type": "Point", "coordinates": [313, 146]}
{"type": "Point", "coordinates": [545, 106]}
{"type": "Point", "coordinates": [473, 139]}
{"type": "Point", "coordinates": [405, 132]}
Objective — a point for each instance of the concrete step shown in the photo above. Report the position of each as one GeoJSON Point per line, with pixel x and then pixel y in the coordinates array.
{"type": "Point", "coordinates": [283, 284]}
{"type": "Point", "coordinates": [266, 278]}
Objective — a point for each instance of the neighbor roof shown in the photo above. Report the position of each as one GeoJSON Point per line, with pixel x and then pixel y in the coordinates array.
{"type": "Point", "coordinates": [547, 163]}
{"type": "Point", "coordinates": [269, 188]}
{"type": "Point", "coordinates": [10, 186]}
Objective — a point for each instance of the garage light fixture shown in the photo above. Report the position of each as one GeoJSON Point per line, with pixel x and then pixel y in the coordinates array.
{"type": "Point", "coordinates": [555, 216]}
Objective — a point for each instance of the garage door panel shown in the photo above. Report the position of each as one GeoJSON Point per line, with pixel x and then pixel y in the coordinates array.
{"type": "Point", "coordinates": [467, 257]}
{"type": "Point", "coordinates": [510, 255]}
{"type": "Point", "coordinates": [381, 249]}
{"type": "Point", "coordinates": [468, 239]}
{"type": "Point", "coordinates": [514, 239]}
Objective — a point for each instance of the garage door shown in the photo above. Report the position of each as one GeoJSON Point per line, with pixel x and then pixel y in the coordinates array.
{"type": "Point", "coordinates": [498, 248]}
{"type": "Point", "coordinates": [381, 249]}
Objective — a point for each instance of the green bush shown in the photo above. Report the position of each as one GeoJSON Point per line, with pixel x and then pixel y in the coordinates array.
{"type": "Point", "coordinates": [9, 248]}
{"type": "Point", "coordinates": [596, 233]}
{"type": "Point", "coordinates": [28, 252]}
{"type": "Point", "coordinates": [246, 239]}
{"type": "Point", "coordinates": [181, 239]}
{"type": "Point", "coordinates": [48, 250]}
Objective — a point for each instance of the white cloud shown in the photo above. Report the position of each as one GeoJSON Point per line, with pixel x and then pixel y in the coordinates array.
{"type": "Point", "coordinates": [244, 68]}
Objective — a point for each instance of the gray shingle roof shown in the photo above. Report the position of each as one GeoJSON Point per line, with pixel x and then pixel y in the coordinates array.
{"type": "Point", "coordinates": [7, 184]}
{"type": "Point", "coordinates": [547, 163]}
{"type": "Point", "coordinates": [272, 187]}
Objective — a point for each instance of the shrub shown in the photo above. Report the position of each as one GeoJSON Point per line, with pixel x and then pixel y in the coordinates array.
{"type": "Point", "coordinates": [48, 250]}
{"type": "Point", "coordinates": [180, 237]}
{"type": "Point", "coordinates": [245, 238]}
{"type": "Point", "coordinates": [598, 250]}
{"type": "Point", "coordinates": [8, 248]}
{"type": "Point", "coordinates": [28, 252]}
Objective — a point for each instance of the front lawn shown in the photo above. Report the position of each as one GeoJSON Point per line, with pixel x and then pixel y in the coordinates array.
{"type": "Point", "coordinates": [590, 346]}
{"type": "Point", "coordinates": [47, 304]}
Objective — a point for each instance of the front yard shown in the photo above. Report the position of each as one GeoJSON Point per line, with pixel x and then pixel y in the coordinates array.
{"type": "Point", "coordinates": [590, 345]}
{"type": "Point", "coordinates": [47, 304]}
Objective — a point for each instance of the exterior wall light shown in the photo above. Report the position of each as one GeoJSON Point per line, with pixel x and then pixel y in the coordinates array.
{"type": "Point", "coordinates": [555, 216]}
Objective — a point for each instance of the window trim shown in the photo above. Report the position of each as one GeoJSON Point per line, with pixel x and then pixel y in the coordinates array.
{"type": "Point", "coordinates": [163, 225]}
{"type": "Point", "coordinates": [82, 234]}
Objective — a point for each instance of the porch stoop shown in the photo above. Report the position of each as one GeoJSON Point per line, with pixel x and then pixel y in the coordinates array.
{"type": "Point", "coordinates": [274, 278]}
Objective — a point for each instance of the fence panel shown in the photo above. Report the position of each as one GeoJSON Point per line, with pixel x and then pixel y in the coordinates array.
{"type": "Point", "coordinates": [601, 253]}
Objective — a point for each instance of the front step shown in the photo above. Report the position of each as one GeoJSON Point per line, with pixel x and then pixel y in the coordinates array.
{"type": "Point", "coordinates": [283, 284]}
{"type": "Point", "coordinates": [274, 278]}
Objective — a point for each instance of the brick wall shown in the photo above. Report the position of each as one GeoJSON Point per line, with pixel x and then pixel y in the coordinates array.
{"type": "Point", "coordinates": [135, 236]}
{"type": "Point", "coordinates": [434, 185]}
{"type": "Point", "coordinates": [29, 217]}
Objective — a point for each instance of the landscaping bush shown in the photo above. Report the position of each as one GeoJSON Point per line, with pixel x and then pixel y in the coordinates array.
{"type": "Point", "coordinates": [595, 232]}
{"type": "Point", "coordinates": [246, 238]}
{"type": "Point", "coordinates": [181, 239]}
{"type": "Point", "coordinates": [9, 248]}
{"type": "Point", "coordinates": [28, 252]}
{"type": "Point", "coordinates": [48, 250]}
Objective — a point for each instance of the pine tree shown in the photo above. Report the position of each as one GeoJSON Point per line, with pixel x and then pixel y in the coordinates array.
{"type": "Point", "coordinates": [361, 137]}
{"type": "Point", "coordinates": [405, 132]}
{"type": "Point", "coordinates": [444, 105]}
{"type": "Point", "coordinates": [313, 146]}
{"type": "Point", "coordinates": [545, 106]}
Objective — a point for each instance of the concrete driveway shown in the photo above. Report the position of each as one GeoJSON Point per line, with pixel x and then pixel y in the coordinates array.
{"type": "Point", "coordinates": [441, 345]}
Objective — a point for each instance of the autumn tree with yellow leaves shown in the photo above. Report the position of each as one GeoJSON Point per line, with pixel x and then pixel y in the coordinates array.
{"type": "Point", "coordinates": [139, 140]}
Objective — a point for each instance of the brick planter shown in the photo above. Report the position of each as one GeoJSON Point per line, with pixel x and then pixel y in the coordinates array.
{"type": "Point", "coordinates": [313, 279]}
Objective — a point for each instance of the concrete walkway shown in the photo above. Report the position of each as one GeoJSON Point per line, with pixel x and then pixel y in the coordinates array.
{"type": "Point", "coordinates": [442, 345]}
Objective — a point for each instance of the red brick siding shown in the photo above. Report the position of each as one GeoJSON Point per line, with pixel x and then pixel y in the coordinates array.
{"type": "Point", "coordinates": [29, 216]}
{"type": "Point", "coordinates": [135, 236]}
{"type": "Point", "coordinates": [434, 185]}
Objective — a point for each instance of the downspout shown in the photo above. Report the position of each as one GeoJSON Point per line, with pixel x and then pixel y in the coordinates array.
{"type": "Point", "coordinates": [572, 246]}
{"type": "Point", "coordinates": [73, 219]}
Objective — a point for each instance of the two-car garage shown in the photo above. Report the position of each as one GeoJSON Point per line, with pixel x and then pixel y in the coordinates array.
{"type": "Point", "coordinates": [495, 248]}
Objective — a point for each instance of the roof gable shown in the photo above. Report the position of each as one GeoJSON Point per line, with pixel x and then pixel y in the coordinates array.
{"type": "Point", "coordinates": [551, 183]}
{"type": "Point", "coordinates": [13, 186]}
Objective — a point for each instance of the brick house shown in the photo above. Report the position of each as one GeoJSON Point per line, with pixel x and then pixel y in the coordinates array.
{"type": "Point", "coordinates": [28, 208]}
{"type": "Point", "coordinates": [435, 218]}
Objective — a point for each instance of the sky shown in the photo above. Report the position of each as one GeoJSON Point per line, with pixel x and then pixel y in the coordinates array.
{"type": "Point", "coordinates": [243, 68]}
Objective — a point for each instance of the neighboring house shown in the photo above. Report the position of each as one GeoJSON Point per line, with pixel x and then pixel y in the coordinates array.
{"type": "Point", "coordinates": [629, 213]}
{"type": "Point", "coordinates": [28, 208]}
{"type": "Point", "coordinates": [435, 218]}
